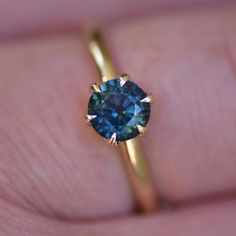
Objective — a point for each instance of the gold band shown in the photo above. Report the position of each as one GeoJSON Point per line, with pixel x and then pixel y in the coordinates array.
{"type": "Point", "coordinates": [132, 154]}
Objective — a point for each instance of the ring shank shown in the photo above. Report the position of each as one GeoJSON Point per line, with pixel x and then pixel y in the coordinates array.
{"type": "Point", "coordinates": [132, 154]}
{"type": "Point", "coordinates": [101, 57]}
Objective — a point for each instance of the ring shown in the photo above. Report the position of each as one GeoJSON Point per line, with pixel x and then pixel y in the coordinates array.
{"type": "Point", "coordinates": [119, 111]}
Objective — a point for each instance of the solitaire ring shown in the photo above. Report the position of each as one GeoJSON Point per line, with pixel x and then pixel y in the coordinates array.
{"type": "Point", "coordinates": [119, 111]}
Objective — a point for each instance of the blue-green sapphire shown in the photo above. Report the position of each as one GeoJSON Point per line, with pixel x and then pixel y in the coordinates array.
{"type": "Point", "coordinates": [118, 109]}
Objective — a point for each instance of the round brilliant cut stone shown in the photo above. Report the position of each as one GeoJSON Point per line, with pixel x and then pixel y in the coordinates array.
{"type": "Point", "coordinates": [118, 109]}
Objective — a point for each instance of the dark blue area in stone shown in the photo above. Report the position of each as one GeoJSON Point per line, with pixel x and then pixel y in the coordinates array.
{"type": "Point", "coordinates": [118, 110]}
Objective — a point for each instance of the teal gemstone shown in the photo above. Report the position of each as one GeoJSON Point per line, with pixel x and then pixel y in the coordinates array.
{"type": "Point", "coordinates": [118, 109]}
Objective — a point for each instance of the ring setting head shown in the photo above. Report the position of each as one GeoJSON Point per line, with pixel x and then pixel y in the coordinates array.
{"type": "Point", "coordinates": [119, 109]}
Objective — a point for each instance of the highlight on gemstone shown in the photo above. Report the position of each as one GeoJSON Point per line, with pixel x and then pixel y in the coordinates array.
{"type": "Point", "coordinates": [118, 110]}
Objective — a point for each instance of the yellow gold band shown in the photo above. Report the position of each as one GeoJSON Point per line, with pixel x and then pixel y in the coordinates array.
{"type": "Point", "coordinates": [132, 155]}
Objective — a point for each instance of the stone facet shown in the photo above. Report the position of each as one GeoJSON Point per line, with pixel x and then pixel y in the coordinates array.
{"type": "Point", "coordinates": [118, 109]}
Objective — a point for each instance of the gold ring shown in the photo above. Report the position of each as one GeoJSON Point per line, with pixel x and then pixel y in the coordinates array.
{"type": "Point", "coordinates": [119, 111]}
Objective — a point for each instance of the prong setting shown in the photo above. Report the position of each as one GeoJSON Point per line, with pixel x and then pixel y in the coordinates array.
{"type": "Point", "coordinates": [111, 103]}
{"type": "Point", "coordinates": [148, 99]}
{"type": "Point", "coordinates": [123, 79]}
{"type": "Point", "coordinates": [95, 88]}
{"type": "Point", "coordinates": [142, 130]}
{"type": "Point", "coordinates": [90, 117]}
{"type": "Point", "coordinates": [112, 140]}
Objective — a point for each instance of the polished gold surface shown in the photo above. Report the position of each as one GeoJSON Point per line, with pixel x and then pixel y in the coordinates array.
{"type": "Point", "coordinates": [142, 130]}
{"type": "Point", "coordinates": [101, 57]}
{"type": "Point", "coordinates": [139, 175]}
{"type": "Point", "coordinates": [90, 117]}
{"type": "Point", "coordinates": [132, 154]}
{"type": "Point", "coordinates": [95, 88]}
{"type": "Point", "coordinates": [148, 99]}
{"type": "Point", "coordinates": [112, 140]}
{"type": "Point", "coordinates": [123, 79]}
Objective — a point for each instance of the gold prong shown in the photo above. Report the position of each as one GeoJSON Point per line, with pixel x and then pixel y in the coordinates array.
{"type": "Point", "coordinates": [148, 99]}
{"type": "Point", "coordinates": [90, 117]}
{"type": "Point", "coordinates": [95, 88]}
{"type": "Point", "coordinates": [112, 139]}
{"type": "Point", "coordinates": [123, 79]}
{"type": "Point", "coordinates": [142, 130]}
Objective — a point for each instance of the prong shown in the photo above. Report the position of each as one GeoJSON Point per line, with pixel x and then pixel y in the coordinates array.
{"type": "Point", "coordinates": [123, 79]}
{"type": "Point", "coordinates": [142, 130]}
{"type": "Point", "coordinates": [112, 139]}
{"type": "Point", "coordinates": [90, 117]}
{"type": "Point", "coordinates": [95, 88]}
{"type": "Point", "coordinates": [148, 99]}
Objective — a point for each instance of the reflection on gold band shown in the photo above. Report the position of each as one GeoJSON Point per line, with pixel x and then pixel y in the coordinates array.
{"type": "Point", "coordinates": [131, 151]}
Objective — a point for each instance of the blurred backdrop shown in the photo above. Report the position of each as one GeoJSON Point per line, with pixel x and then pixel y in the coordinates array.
{"type": "Point", "coordinates": [32, 15]}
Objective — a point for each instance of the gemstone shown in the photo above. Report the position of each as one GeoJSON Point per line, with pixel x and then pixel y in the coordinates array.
{"type": "Point", "coordinates": [118, 109]}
